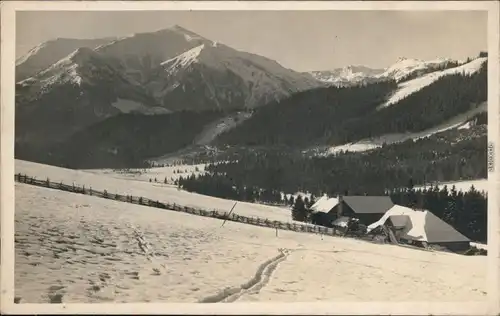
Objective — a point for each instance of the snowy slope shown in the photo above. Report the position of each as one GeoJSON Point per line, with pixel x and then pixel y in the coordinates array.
{"type": "Point", "coordinates": [409, 87]}
{"type": "Point", "coordinates": [408, 66]}
{"type": "Point", "coordinates": [142, 187]}
{"type": "Point", "coordinates": [48, 53]}
{"type": "Point", "coordinates": [184, 71]}
{"type": "Point", "coordinates": [66, 70]}
{"type": "Point", "coordinates": [229, 78]}
{"type": "Point", "coordinates": [142, 53]}
{"type": "Point", "coordinates": [93, 250]}
{"type": "Point", "coordinates": [81, 89]}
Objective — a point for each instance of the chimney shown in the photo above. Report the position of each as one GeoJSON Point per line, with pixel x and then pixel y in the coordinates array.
{"type": "Point", "coordinates": [340, 207]}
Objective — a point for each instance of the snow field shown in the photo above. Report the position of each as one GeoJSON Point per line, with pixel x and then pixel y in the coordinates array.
{"type": "Point", "coordinates": [88, 249]}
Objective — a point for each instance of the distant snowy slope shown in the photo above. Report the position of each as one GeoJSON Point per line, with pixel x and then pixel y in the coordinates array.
{"type": "Point", "coordinates": [405, 67]}
{"type": "Point", "coordinates": [458, 122]}
{"type": "Point", "coordinates": [409, 87]}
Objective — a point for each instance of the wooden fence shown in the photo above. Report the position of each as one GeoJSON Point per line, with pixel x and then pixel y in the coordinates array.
{"type": "Point", "coordinates": [218, 214]}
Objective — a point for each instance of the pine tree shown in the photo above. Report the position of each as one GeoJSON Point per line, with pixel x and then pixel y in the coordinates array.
{"type": "Point", "coordinates": [299, 212]}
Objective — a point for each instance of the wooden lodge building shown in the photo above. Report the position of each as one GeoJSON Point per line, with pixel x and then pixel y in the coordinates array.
{"type": "Point", "coordinates": [421, 228]}
{"type": "Point", "coordinates": [367, 209]}
{"type": "Point", "coordinates": [401, 224]}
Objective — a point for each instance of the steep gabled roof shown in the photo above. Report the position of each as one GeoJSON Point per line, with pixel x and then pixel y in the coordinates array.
{"type": "Point", "coordinates": [369, 204]}
{"type": "Point", "coordinates": [437, 230]}
{"type": "Point", "coordinates": [421, 226]}
{"type": "Point", "coordinates": [324, 204]}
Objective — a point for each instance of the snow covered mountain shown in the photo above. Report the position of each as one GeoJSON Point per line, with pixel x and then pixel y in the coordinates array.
{"type": "Point", "coordinates": [64, 91]}
{"type": "Point", "coordinates": [348, 75]}
{"type": "Point", "coordinates": [180, 69]}
{"type": "Point", "coordinates": [404, 69]}
{"type": "Point", "coordinates": [226, 77]}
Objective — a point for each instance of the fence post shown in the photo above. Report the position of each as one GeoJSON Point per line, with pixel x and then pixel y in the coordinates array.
{"type": "Point", "coordinates": [48, 183]}
{"type": "Point", "coordinates": [90, 191]}
{"type": "Point", "coordinates": [276, 231]}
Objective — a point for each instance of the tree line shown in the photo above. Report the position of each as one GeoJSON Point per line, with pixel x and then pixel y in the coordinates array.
{"type": "Point", "coordinates": [448, 156]}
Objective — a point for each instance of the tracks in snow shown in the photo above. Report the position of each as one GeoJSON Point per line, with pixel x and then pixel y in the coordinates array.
{"type": "Point", "coordinates": [254, 285]}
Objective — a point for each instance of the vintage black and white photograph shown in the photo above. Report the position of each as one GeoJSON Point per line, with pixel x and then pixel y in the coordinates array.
{"type": "Point", "coordinates": [264, 156]}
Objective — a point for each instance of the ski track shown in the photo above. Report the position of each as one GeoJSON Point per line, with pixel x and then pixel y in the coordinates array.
{"type": "Point", "coordinates": [74, 248]}
{"type": "Point", "coordinates": [254, 285]}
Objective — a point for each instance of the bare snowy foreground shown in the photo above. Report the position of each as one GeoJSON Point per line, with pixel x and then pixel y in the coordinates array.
{"type": "Point", "coordinates": [83, 249]}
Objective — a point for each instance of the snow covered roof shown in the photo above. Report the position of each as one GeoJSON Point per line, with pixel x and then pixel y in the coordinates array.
{"type": "Point", "coordinates": [324, 204]}
{"type": "Point", "coordinates": [420, 225]}
{"type": "Point", "coordinates": [369, 204]}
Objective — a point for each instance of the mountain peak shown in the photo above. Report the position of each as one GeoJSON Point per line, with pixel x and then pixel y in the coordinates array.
{"type": "Point", "coordinates": [188, 35]}
{"type": "Point", "coordinates": [179, 28]}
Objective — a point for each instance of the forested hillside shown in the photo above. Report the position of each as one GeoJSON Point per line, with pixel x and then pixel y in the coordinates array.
{"type": "Point", "coordinates": [307, 117]}
{"type": "Point", "coordinates": [336, 116]}
{"type": "Point", "coordinates": [126, 140]}
{"type": "Point", "coordinates": [451, 155]}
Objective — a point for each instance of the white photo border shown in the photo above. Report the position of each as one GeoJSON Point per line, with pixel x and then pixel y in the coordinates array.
{"type": "Point", "coordinates": [8, 36]}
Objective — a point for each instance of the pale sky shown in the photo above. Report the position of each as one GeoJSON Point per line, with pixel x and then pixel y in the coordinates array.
{"type": "Point", "coordinates": [300, 40]}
